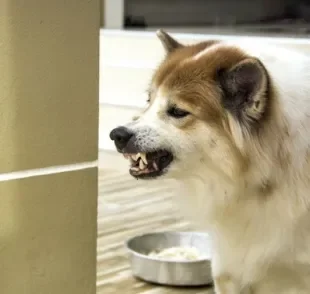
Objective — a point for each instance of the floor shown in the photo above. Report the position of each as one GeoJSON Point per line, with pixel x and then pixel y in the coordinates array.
{"type": "Point", "coordinates": [126, 208]}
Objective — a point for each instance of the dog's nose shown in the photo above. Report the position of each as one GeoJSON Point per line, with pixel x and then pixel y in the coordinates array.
{"type": "Point", "coordinates": [120, 136]}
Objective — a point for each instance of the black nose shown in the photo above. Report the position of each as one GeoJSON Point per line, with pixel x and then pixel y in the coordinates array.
{"type": "Point", "coordinates": [120, 136]}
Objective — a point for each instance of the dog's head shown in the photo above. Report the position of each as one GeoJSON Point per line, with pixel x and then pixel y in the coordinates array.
{"type": "Point", "coordinates": [203, 100]}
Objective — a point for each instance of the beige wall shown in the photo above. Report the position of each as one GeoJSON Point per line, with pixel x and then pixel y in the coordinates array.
{"type": "Point", "coordinates": [101, 2]}
{"type": "Point", "coordinates": [48, 117]}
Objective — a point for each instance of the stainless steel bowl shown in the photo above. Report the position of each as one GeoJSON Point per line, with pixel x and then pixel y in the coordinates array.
{"type": "Point", "coordinates": [167, 272]}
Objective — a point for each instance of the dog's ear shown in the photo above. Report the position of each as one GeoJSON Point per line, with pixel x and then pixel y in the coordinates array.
{"type": "Point", "coordinates": [169, 43]}
{"type": "Point", "coordinates": [244, 90]}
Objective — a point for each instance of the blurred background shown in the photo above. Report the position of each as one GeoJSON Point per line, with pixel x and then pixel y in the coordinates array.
{"type": "Point", "coordinates": [287, 17]}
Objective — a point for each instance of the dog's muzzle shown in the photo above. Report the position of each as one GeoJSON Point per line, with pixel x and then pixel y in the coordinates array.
{"type": "Point", "coordinates": [145, 162]}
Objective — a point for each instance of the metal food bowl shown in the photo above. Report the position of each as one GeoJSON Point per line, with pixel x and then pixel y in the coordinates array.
{"type": "Point", "coordinates": [170, 272]}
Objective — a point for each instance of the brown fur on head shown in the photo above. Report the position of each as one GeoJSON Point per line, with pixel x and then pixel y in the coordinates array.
{"type": "Point", "coordinates": [220, 75]}
{"type": "Point", "coordinates": [204, 99]}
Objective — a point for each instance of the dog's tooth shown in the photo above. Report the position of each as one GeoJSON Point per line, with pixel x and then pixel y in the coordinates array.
{"type": "Point", "coordinates": [134, 168]}
{"type": "Point", "coordinates": [155, 165]}
{"type": "Point", "coordinates": [141, 164]}
{"type": "Point", "coordinates": [137, 156]}
{"type": "Point", "coordinates": [134, 157]}
{"type": "Point", "coordinates": [143, 157]}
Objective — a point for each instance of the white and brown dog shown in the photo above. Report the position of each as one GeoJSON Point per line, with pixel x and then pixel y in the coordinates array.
{"type": "Point", "coordinates": [232, 124]}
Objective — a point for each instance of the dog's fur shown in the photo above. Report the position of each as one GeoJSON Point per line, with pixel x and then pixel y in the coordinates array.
{"type": "Point", "coordinates": [242, 156]}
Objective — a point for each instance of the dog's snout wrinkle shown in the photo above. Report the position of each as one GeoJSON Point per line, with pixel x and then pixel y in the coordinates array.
{"type": "Point", "coordinates": [121, 136]}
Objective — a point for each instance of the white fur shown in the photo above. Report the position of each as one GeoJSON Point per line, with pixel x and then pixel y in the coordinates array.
{"type": "Point", "coordinates": [261, 245]}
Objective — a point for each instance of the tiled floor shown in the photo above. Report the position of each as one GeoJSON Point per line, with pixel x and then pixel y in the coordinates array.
{"type": "Point", "coordinates": [127, 208]}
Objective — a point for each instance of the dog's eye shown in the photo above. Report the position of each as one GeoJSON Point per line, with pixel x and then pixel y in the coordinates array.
{"type": "Point", "coordinates": [177, 112]}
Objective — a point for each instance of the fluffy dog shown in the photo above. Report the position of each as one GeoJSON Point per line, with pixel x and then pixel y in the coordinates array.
{"type": "Point", "coordinates": [231, 123]}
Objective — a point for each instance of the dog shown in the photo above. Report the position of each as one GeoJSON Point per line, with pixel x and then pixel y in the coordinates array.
{"type": "Point", "coordinates": [230, 121]}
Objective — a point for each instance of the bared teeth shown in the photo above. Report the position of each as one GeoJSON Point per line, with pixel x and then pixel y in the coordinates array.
{"type": "Point", "coordinates": [143, 157]}
{"type": "Point", "coordinates": [136, 156]}
{"type": "Point", "coordinates": [139, 160]}
{"type": "Point", "coordinates": [141, 164]}
{"type": "Point", "coordinates": [155, 165]}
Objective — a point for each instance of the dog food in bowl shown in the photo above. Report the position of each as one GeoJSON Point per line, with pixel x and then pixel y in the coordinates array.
{"type": "Point", "coordinates": [171, 258]}
{"type": "Point", "coordinates": [178, 254]}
